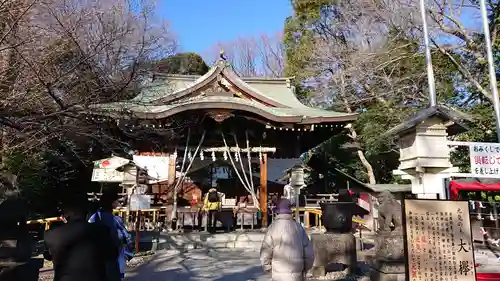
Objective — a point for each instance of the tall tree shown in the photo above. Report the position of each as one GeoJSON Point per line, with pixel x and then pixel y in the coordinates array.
{"type": "Point", "coordinates": [58, 57]}
{"type": "Point", "coordinates": [182, 63]}
{"type": "Point", "coordinates": [365, 57]}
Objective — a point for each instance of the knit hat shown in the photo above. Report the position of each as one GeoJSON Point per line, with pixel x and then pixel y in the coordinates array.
{"type": "Point", "coordinates": [283, 207]}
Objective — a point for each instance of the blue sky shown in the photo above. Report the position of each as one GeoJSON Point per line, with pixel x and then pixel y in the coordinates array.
{"type": "Point", "coordinates": [200, 24]}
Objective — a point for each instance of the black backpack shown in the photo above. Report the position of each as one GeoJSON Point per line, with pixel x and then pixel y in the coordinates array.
{"type": "Point", "coordinates": [213, 197]}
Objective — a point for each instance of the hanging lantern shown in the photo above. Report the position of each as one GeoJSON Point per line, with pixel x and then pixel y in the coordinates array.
{"type": "Point", "coordinates": [213, 156]}
{"type": "Point", "coordinates": [236, 156]}
{"type": "Point", "coordinates": [202, 156]}
{"type": "Point", "coordinates": [225, 155]}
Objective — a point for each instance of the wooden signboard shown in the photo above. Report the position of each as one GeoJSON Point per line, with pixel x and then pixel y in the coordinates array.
{"type": "Point", "coordinates": [106, 175]}
{"type": "Point", "coordinates": [105, 169]}
{"type": "Point", "coordinates": [438, 240]}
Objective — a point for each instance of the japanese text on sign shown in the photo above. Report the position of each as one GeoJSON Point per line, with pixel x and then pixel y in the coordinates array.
{"type": "Point", "coordinates": [485, 159]}
{"type": "Point", "coordinates": [439, 241]}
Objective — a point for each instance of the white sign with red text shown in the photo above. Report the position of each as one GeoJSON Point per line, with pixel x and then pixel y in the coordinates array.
{"type": "Point", "coordinates": [485, 159]}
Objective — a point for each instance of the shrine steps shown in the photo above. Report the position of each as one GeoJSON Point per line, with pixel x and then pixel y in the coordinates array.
{"type": "Point", "coordinates": [188, 241]}
{"type": "Point", "coordinates": [151, 240]}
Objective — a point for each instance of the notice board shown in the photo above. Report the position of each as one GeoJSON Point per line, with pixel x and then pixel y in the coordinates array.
{"type": "Point", "coordinates": [438, 240]}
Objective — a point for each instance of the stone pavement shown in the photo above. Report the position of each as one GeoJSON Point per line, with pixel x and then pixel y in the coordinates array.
{"type": "Point", "coordinates": [210, 264]}
{"type": "Point", "coordinates": [201, 265]}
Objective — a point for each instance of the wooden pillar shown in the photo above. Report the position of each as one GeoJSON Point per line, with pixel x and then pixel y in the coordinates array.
{"type": "Point", "coordinates": [171, 168]}
{"type": "Point", "coordinates": [137, 230]}
{"type": "Point", "coordinates": [307, 223]}
{"type": "Point", "coordinates": [263, 189]}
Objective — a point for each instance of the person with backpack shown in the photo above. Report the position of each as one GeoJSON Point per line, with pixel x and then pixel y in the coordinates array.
{"type": "Point", "coordinates": [212, 205]}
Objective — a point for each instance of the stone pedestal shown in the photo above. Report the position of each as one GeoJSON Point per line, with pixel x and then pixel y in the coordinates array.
{"type": "Point", "coordinates": [388, 260]}
{"type": "Point", "coordinates": [331, 249]}
{"type": "Point", "coordinates": [388, 271]}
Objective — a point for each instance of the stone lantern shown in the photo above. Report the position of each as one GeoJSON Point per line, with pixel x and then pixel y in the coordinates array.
{"type": "Point", "coordinates": [297, 176]}
{"type": "Point", "coordinates": [297, 182]}
{"type": "Point", "coordinates": [424, 151]}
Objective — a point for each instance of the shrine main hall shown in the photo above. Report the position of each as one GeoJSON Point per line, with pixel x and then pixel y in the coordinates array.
{"type": "Point", "coordinates": [238, 134]}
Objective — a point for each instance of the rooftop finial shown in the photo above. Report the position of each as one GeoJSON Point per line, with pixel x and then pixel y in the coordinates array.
{"type": "Point", "coordinates": [222, 54]}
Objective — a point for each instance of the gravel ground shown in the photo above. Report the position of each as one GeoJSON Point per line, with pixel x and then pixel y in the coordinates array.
{"type": "Point", "coordinates": [213, 265]}
{"type": "Point", "coordinates": [47, 274]}
{"type": "Point", "coordinates": [204, 265]}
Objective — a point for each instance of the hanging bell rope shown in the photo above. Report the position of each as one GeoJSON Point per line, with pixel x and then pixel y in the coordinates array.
{"type": "Point", "coordinates": [241, 163]}
{"type": "Point", "coordinates": [183, 161]}
{"type": "Point", "coordinates": [174, 208]}
{"type": "Point", "coordinates": [252, 192]}
{"type": "Point", "coordinates": [184, 173]}
{"type": "Point", "coordinates": [249, 161]}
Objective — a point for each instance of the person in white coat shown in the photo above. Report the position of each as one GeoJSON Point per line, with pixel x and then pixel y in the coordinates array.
{"type": "Point", "coordinates": [289, 193]}
{"type": "Point", "coordinates": [286, 252]}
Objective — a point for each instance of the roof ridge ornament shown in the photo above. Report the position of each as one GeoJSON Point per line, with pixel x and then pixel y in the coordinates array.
{"type": "Point", "coordinates": [222, 57]}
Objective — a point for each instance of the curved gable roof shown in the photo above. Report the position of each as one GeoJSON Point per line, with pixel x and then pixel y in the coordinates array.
{"type": "Point", "coordinates": [273, 99]}
{"type": "Point", "coordinates": [274, 92]}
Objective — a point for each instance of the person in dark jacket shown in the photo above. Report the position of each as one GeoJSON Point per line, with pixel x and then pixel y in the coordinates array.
{"type": "Point", "coordinates": [104, 216]}
{"type": "Point", "coordinates": [79, 250]}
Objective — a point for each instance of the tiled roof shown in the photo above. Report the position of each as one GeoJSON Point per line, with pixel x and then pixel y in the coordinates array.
{"type": "Point", "coordinates": [273, 99]}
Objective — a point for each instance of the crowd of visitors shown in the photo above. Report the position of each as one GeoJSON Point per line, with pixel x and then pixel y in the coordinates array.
{"type": "Point", "coordinates": [97, 249]}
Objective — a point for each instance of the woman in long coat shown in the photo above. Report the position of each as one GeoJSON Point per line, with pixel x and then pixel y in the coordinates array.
{"type": "Point", "coordinates": [286, 251]}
